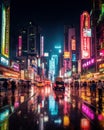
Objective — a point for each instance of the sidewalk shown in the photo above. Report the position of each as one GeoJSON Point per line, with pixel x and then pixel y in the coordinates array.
{"type": "Point", "coordinates": [20, 95]}
{"type": "Point", "coordinates": [94, 100]}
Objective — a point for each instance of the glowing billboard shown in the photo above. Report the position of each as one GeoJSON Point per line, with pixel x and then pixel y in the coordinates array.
{"type": "Point", "coordinates": [88, 63]}
{"type": "Point", "coordinates": [46, 54]}
{"type": "Point", "coordinates": [87, 32]}
{"type": "Point", "coordinates": [41, 46]}
{"type": "Point", "coordinates": [4, 61]}
{"type": "Point", "coordinates": [66, 54]}
{"type": "Point", "coordinates": [85, 35]}
{"type": "Point", "coordinates": [74, 57]}
{"type": "Point", "coordinates": [20, 46]}
{"type": "Point", "coordinates": [5, 30]}
{"type": "Point", "coordinates": [15, 66]}
{"type": "Point", "coordinates": [73, 44]}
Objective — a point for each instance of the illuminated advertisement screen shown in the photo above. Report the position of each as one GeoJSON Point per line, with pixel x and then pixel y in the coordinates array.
{"type": "Point", "coordinates": [15, 66]}
{"type": "Point", "coordinates": [5, 30]}
{"type": "Point", "coordinates": [19, 45]}
{"type": "Point", "coordinates": [42, 45]}
{"type": "Point", "coordinates": [85, 35]}
{"type": "Point", "coordinates": [73, 57]}
{"type": "Point", "coordinates": [46, 54]}
{"type": "Point", "coordinates": [86, 32]}
{"type": "Point", "coordinates": [73, 44]}
{"type": "Point", "coordinates": [79, 66]}
{"type": "Point", "coordinates": [66, 54]}
{"type": "Point", "coordinates": [4, 61]}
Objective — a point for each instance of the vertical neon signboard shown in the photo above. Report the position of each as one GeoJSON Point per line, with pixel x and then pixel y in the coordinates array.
{"type": "Point", "coordinates": [41, 46]}
{"type": "Point", "coordinates": [5, 30]}
{"type": "Point", "coordinates": [20, 46]}
{"type": "Point", "coordinates": [85, 39]}
{"type": "Point", "coordinates": [73, 44]}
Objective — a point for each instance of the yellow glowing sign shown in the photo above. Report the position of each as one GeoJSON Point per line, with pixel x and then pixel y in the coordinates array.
{"type": "Point", "coordinates": [73, 43]}
{"type": "Point", "coordinates": [101, 65]}
{"type": "Point", "coordinates": [5, 31]}
{"type": "Point", "coordinates": [66, 54]}
{"type": "Point", "coordinates": [66, 121]}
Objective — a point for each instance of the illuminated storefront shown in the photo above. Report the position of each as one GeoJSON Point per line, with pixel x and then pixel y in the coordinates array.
{"type": "Point", "coordinates": [7, 69]}
{"type": "Point", "coordinates": [8, 72]}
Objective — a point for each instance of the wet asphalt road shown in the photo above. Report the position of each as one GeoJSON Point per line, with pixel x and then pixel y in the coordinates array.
{"type": "Point", "coordinates": [50, 110]}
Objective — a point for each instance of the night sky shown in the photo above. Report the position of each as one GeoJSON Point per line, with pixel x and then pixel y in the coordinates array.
{"type": "Point", "coordinates": [51, 15]}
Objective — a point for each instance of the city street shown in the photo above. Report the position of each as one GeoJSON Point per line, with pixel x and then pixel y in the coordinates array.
{"type": "Point", "coordinates": [51, 65]}
{"type": "Point", "coordinates": [46, 109]}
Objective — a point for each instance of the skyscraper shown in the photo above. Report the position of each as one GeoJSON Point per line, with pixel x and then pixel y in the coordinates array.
{"type": "Point", "coordinates": [70, 51]}
{"type": "Point", "coordinates": [33, 39]}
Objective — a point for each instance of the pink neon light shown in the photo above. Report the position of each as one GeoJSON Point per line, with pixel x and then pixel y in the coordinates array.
{"type": "Point", "coordinates": [88, 111]}
{"type": "Point", "coordinates": [85, 41]}
{"type": "Point", "coordinates": [16, 104]}
{"type": "Point", "coordinates": [20, 45]}
{"type": "Point", "coordinates": [92, 61]}
{"type": "Point", "coordinates": [88, 63]}
{"type": "Point", "coordinates": [102, 52]}
{"type": "Point", "coordinates": [100, 117]}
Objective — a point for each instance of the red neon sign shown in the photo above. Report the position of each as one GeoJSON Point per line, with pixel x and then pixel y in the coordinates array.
{"type": "Point", "coordinates": [85, 39]}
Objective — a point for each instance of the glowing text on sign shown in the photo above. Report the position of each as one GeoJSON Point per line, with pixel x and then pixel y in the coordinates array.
{"type": "Point", "coordinates": [4, 61]}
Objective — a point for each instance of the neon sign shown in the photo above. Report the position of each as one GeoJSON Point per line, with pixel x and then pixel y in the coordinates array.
{"type": "Point", "coordinates": [85, 35]}
{"type": "Point", "coordinates": [88, 111]}
{"type": "Point", "coordinates": [5, 30]}
{"type": "Point", "coordinates": [4, 61]}
{"type": "Point", "coordinates": [88, 63]}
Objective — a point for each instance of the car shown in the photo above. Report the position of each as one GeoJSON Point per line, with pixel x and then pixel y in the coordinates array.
{"type": "Point", "coordinates": [47, 82]}
{"type": "Point", "coordinates": [59, 95]}
{"type": "Point", "coordinates": [40, 84]}
{"type": "Point", "coordinates": [59, 85]}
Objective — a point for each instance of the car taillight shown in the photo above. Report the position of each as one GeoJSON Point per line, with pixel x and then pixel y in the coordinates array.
{"type": "Point", "coordinates": [54, 85]}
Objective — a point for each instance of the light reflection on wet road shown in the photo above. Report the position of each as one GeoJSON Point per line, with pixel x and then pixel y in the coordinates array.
{"type": "Point", "coordinates": [49, 110]}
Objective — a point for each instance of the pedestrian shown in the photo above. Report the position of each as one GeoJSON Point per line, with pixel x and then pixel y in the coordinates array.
{"type": "Point", "coordinates": [85, 85]}
{"type": "Point", "coordinates": [103, 83]}
{"type": "Point", "coordinates": [93, 89]}
{"type": "Point", "coordinates": [13, 86]}
{"type": "Point", "coordinates": [5, 85]}
{"type": "Point", "coordinates": [100, 88]}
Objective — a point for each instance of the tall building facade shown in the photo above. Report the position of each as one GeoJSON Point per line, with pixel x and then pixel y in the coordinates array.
{"type": "Point", "coordinates": [97, 22]}
{"type": "Point", "coordinates": [31, 39]}
{"type": "Point", "coordinates": [8, 68]}
{"type": "Point", "coordinates": [4, 32]}
{"type": "Point", "coordinates": [29, 51]}
{"type": "Point", "coordinates": [93, 67]}
{"type": "Point", "coordinates": [85, 42]}
{"type": "Point", "coordinates": [70, 52]}
{"type": "Point", "coordinates": [100, 40]}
